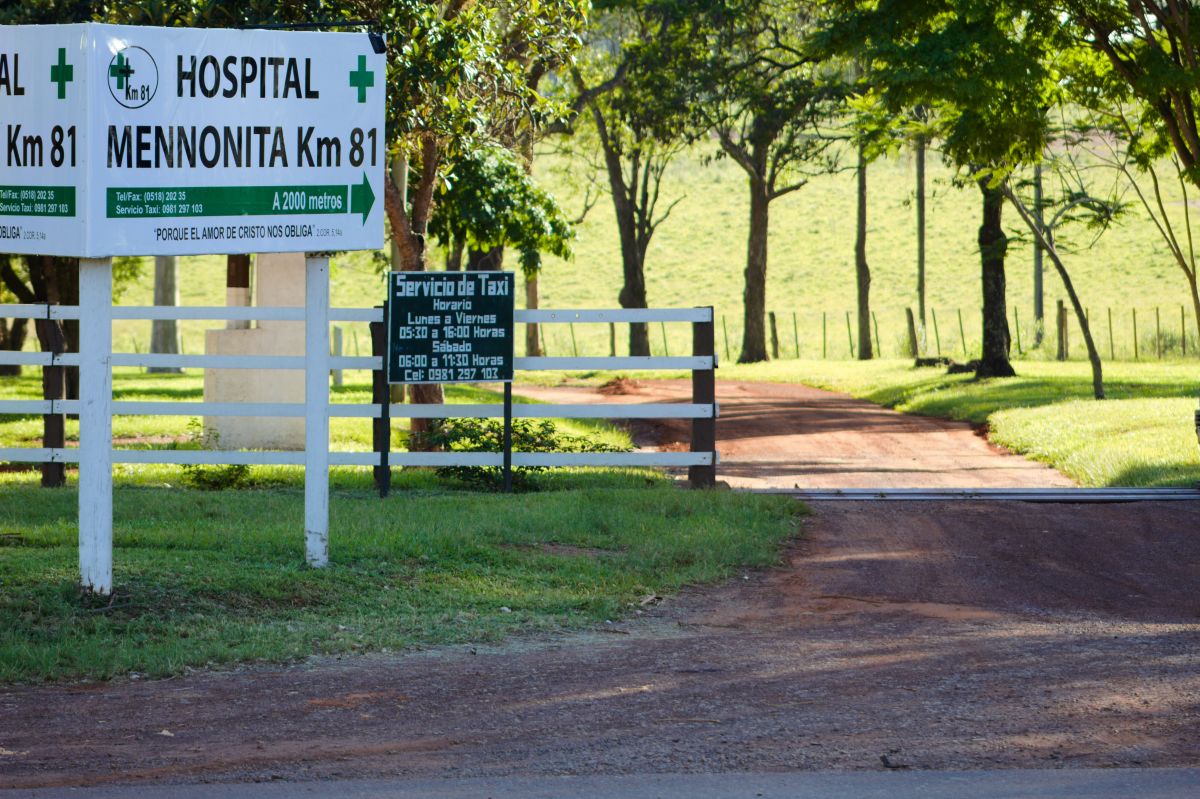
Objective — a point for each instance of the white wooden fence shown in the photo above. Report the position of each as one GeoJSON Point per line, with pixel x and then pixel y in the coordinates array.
{"type": "Point", "coordinates": [95, 408]}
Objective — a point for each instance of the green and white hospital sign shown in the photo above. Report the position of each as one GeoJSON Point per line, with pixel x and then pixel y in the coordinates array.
{"type": "Point", "coordinates": [124, 140]}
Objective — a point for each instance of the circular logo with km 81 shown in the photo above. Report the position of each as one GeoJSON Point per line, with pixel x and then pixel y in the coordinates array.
{"type": "Point", "coordinates": [132, 77]}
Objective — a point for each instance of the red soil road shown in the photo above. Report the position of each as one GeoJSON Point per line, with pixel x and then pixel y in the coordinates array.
{"type": "Point", "coordinates": [940, 635]}
{"type": "Point", "coordinates": [772, 435]}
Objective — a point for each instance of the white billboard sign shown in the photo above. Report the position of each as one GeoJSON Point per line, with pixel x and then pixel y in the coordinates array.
{"type": "Point", "coordinates": [127, 140]}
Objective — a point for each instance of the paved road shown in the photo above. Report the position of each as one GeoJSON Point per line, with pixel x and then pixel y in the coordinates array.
{"type": "Point", "coordinates": [1165, 783]}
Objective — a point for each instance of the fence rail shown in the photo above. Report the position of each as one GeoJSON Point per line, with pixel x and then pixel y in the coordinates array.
{"type": "Point", "coordinates": [96, 408]}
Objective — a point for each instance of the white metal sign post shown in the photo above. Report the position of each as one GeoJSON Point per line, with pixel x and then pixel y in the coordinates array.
{"type": "Point", "coordinates": [124, 140]}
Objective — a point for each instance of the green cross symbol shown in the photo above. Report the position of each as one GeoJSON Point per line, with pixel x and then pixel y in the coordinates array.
{"type": "Point", "coordinates": [121, 71]}
{"type": "Point", "coordinates": [361, 78]}
{"type": "Point", "coordinates": [62, 73]}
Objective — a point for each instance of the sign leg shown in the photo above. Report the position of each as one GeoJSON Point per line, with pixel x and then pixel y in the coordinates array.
{"type": "Point", "coordinates": [508, 481]}
{"type": "Point", "coordinates": [381, 396]}
{"type": "Point", "coordinates": [95, 425]}
{"type": "Point", "coordinates": [316, 410]}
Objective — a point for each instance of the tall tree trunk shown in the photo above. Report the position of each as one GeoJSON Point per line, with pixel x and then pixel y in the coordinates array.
{"type": "Point", "coordinates": [633, 260]}
{"type": "Point", "coordinates": [1191, 279]}
{"type": "Point", "coordinates": [633, 251]}
{"type": "Point", "coordinates": [754, 335]}
{"type": "Point", "coordinates": [533, 345]}
{"type": "Point", "coordinates": [1039, 307]}
{"type": "Point", "coordinates": [921, 146]}
{"type": "Point", "coordinates": [993, 245]}
{"type": "Point", "coordinates": [12, 338]}
{"type": "Point", "coordinates": [454, 256]}
{"type": "Point", "coordinates": [485, 260]}
{"type": "Point", "coordinates": [409, 226]}
{"type": "Point", "coordinates": [1044, 241]}
{"type": "Point", "coordinates": [164, 333]}
{"type": "Point", "coordinates": [862, 271]}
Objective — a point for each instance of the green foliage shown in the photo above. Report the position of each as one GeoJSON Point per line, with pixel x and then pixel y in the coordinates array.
{"type": "Point", "coordinates": [487, 435]}
{"type": "Point", "coordinates": [490, 201]}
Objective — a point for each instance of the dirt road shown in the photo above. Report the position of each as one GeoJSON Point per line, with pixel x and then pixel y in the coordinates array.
{"type": "Point", "coordinates": [937, 636]}
{"type": "Point", "coordinates": [782, 436]}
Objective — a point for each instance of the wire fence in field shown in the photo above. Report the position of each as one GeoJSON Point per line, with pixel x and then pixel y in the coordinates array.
{"type": "Point", "coordinates": [1120, 334]}
{"type": "Point", "coordinates": [1143, 333]}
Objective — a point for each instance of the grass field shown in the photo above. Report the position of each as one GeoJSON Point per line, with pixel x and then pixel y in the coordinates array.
{"type": "Point", "coordinates": [697, 258]}
{"type": "Point", "coordinates": [207, 578]}
{"type": "Point", "coordinates": [698, 255]}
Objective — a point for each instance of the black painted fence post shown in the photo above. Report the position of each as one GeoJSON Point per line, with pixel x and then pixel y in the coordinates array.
{"type": "Point", "coordinates": [381, 396]}
{"type": "Point", "coordinates": [704, 392]}
{"type": "Point", "coordinates": [54, 475]}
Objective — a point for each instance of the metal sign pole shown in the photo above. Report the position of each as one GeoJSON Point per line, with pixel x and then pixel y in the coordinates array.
{"type": "Point", "coordinates": [508, 481]}
{"type": "Point", "coordinates": [316, 409]}
{"type": "Point", "coordinates": [95, 425]}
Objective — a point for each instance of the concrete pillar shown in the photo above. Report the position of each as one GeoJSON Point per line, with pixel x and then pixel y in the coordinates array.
{"type": "Point", "coordinates": [279, 282]}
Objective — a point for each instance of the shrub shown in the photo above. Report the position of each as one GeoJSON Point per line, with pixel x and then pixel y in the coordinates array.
{"type": "Point", "coordinates": [487, 435]}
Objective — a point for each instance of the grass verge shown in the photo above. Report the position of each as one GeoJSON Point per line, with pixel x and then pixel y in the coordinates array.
{"type": "Point", "coordinates": [210, 578]}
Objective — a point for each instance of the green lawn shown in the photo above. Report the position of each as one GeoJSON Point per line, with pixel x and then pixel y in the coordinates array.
{"type": "Point", "coordinates": [1142, 435]}
{"type": "Point", "coordinates": [207, 578]}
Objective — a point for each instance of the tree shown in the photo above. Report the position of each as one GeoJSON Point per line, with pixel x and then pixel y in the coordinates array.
{"type": "Point", "coordinates": [862, 270]}
{"type": "Point", "coordinates": [1102, 213]}
{"type": "Point", "coordinates": [767, 96]}
{"type": "Point", "coordinates": [1138, 84]}
{"type": "Point", "coordinates": [983, 69]}
{"type": "Point", "coordinates": [639, 123]}
{"type": "Point", "coordinates": [490, 202]}
{"type": "Point", "coordinates": [458, 76]}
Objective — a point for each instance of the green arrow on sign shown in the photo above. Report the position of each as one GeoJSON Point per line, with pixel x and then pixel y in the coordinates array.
{"type": "Point", "coordinates": [362, 198]}
{"type": "Point", "coordinates": [143, 202]}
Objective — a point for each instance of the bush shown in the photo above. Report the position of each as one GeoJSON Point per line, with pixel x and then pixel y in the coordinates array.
{"type": "Point", "coordinates": [487, 435]}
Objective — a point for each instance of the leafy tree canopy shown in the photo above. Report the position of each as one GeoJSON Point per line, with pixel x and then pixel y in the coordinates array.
{"type": "Point", "coordinates": [491, 201]}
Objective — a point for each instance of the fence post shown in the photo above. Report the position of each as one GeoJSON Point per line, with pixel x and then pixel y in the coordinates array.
{"type": "Point", "coordinates": [878, 343]}
{"type": "Point", "coordinates": [704, 392]}
{"type": "Point", "coordinates": [1158, 349]}
{"type": "Point", "coordinates": [381, 425]}
{"type": "Point", "coordinates": [1112, 347]}
{"type": "Point", "coordinates": [796, 334]}
{"type": "Point", "coordinates": [54, 475]}
{"type": "Point", "coordinates": [774, 337]}
{"type": "Point", "coordinates": [1136, 346]}
{"type": "Point", "coordinates": [574, 345]}
{"type": "Point", "coordinates": [316, 409]}
{"type": "Point", "coordinates": [337, 352]}
{"type": "Point", "coordinates": [1182, 332]}
{"type": "Point", "coordinates": [1017, 328]}
{"type": "Point", "coordinates": [1061, 332]}
{"type": "Point", "coordinates": [912, 332]}
{"type": "Point", "coordinates": [849, 335]}
{"type": "Point", "coordinates": [824, 337]}
{"type": "Point", "coordinates": [937, 336]}
{"type": "Point", "coordinates": [662, 326]}
{"type": "Point", "coordinates": [95, 425]}
{"type": "Point", "coordinates": [962, 334]}
{"type": "Point", "coordinates": [725, 332]}
{"type": "Point", "coordinates": [612, 339]}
